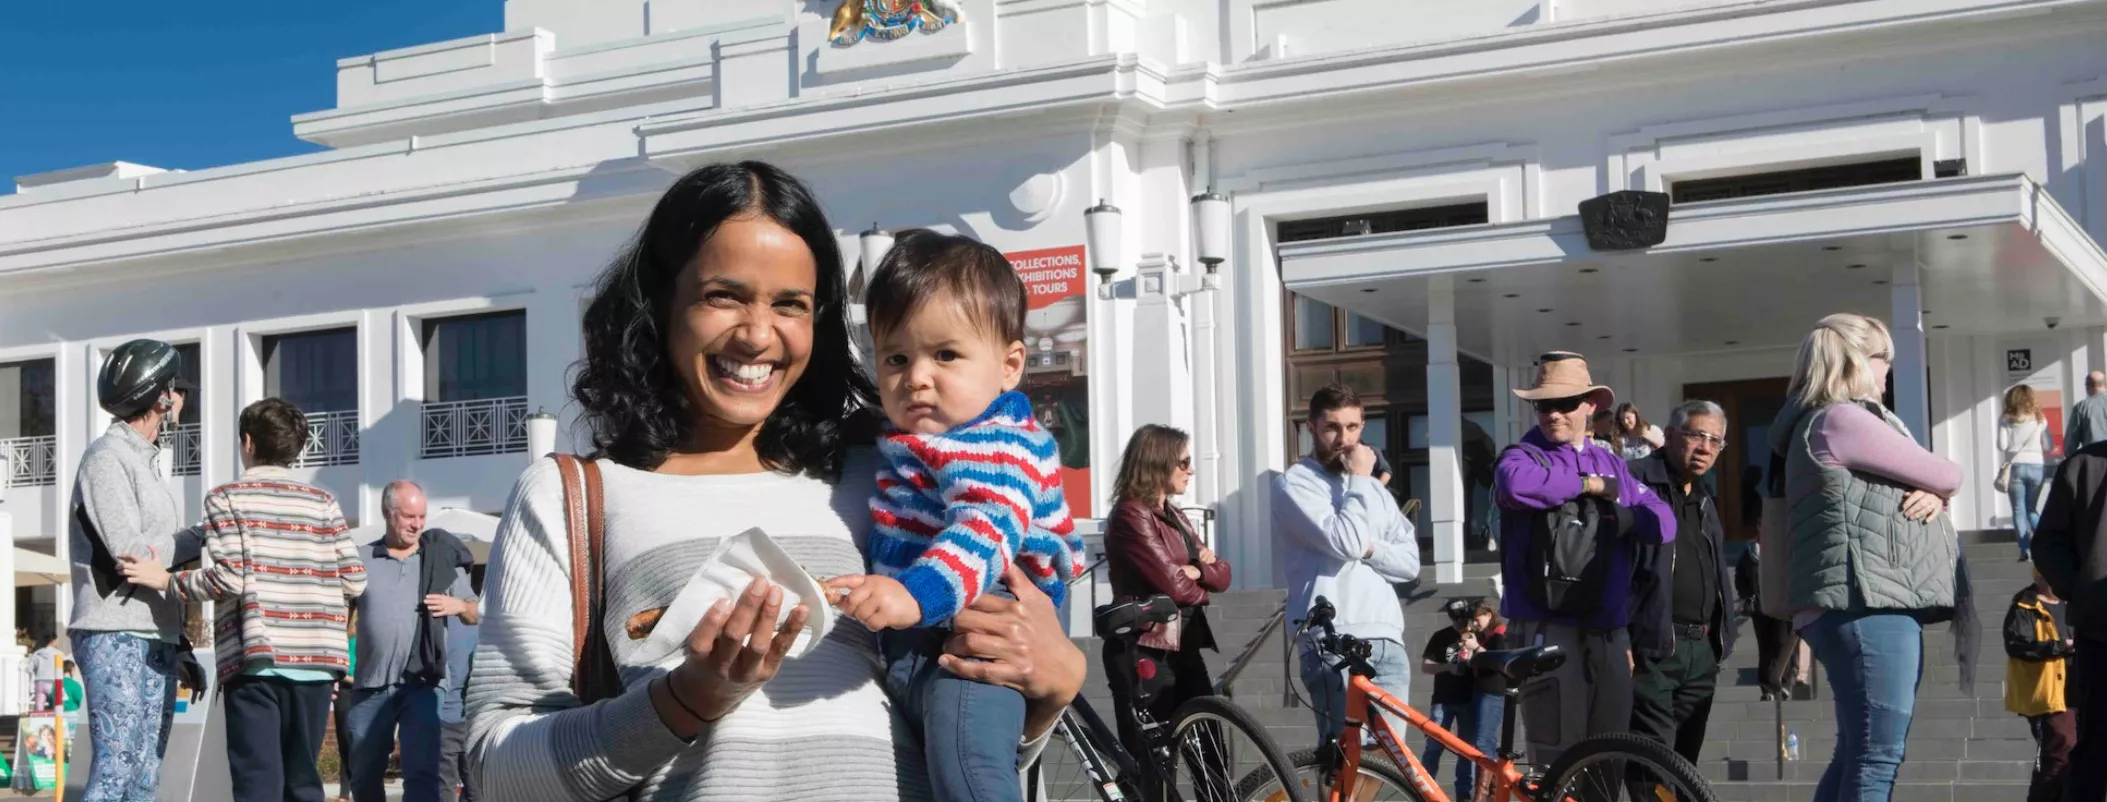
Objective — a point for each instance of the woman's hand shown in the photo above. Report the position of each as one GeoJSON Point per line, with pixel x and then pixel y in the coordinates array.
{"type": "Point", "coordinates": [1206, 556]}
{"type": "Point", "coordinates": [1018, 644]}
{"type": "Point", "coordinates": [1190, 572]}
{"type": "Point", "coordinates": [1921, 505]}
{"type": "Point", "coordinates": [146, 572]}
{"type": "Point", "coordinates": [730, 654]}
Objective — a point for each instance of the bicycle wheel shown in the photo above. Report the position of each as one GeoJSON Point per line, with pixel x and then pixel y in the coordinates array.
{"type": "Point", "coordinates": [1378, 780]}
{"type": "Point", "coordinates": [1618, 766]}
{"type": "Point", "coordinates": [1087, 764]}
{"type": "Point", "coordinates": [1214, 743]}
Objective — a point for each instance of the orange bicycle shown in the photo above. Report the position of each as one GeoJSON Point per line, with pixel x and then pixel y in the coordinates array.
{"type": "Point", "coordinates": [1601, 768]}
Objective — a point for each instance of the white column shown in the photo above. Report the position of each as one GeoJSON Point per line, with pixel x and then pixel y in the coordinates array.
{"type": "Point", "coordinates": [1161, 389]}
{"type": "Point", "coordinates": [1444, 431]}
{"type": "Point", "coordinates": [79, 422]}
{"type": "Point", "coordinates": [1912, 396]}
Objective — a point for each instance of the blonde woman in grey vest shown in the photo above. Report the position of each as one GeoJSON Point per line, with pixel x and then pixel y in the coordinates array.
{"type": "Point", "coordinates": [1874, 556]}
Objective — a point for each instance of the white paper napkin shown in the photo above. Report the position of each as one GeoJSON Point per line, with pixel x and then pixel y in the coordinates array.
{"type": "Point", "coordinates": [735, 564]}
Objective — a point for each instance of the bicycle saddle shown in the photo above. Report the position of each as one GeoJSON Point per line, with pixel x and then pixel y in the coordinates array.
{"type": "Point", "coordinates": [1518, 665]}
{"type": "Point", "coordinates": [1127, 619]}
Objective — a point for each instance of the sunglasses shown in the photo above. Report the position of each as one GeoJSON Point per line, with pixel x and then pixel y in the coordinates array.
{"type": "Point", "coordinates": [1559, 405]}
{"type": "Point", "coordinates": [1185, 464]}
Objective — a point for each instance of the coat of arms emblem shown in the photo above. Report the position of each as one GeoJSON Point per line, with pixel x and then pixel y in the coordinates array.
{"type": "Point", "coordinates": [886, 20]}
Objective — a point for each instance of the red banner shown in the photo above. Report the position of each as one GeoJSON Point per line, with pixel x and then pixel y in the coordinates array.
{"type": "Point", "coordinates": [1051, 274]}
{"type": "Point", "coordinates": [1056, 376]}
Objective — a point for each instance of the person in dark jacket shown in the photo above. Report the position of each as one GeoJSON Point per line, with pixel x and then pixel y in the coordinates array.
{"type": "Point", "coordinates": [1151, 550]}
{"type": "Point", "coordinates": [416, 579]}
{"type": "Point", "coordinates": [1780, 662]}
{"type": "Point", "coordinates": [2039, 642]}
{"type": "Point", "coordinates": [2071, 557]}
{"type": "Point", "coordinates": [1682, 601]}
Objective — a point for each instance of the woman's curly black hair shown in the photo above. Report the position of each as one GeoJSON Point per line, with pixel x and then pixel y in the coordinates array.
{"type": "Point", "coordinates": [637, 407]}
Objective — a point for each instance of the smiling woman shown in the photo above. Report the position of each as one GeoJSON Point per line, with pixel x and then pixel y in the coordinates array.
{"type": "Point", "coordinates": [722, 396]}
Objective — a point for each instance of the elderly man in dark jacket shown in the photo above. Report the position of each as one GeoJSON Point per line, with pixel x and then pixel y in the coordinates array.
{"type": "Point", "coordinates": [1682, 602]}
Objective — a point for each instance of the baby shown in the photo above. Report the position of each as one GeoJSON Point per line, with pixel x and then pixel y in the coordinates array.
{"type": "Point", "coordinates": [971, 483]}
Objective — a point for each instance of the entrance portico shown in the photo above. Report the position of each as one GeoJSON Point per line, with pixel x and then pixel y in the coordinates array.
{"type": "Point", "coordinates": [1953, 264]}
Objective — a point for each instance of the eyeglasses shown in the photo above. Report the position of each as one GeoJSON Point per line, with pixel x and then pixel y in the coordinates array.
{"type": "Point", "coordinates": [1707, 438]}
{"type": "Point", "coordinates": [1185, 464]}
{"type": "Point", "coordinates": [1559, 405]}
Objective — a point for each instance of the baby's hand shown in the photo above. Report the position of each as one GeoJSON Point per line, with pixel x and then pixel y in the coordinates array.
{"type": "Point", "coordinates": [880, 602]}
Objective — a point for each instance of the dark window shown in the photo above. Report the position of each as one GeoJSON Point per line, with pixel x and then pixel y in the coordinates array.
{"type": "Point", "coordinates": [316, 371]}
{"type": "Point", "coordinates": [28, 405]}
{"type": "Point", "coordinates": [1353, 225]}
{"type": "Point", "coordinates": [1884, 171]}
{"type": "Point", "coordinates": [194, 401]}
{"type": "Point", "coordinates": [475, 357]}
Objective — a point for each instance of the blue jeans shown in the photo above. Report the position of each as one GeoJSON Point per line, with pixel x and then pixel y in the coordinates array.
{"type": "Point", "coordinates": [1477, 722]}
{"type": "Point", "coordinates": [1327, 687]}
{"type": "Point", "coordinates": [970, 730]}
{"type": "Point", "coordinates": [131, 686]}
{"type": "Point", "coordinates": [1875, 661]}
{"type": "Point", "coordinates": [2024, 491]}
{"type": "Point", "coordinates": [374, 717]}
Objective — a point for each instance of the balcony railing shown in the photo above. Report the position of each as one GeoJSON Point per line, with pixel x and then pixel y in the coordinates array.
{"type": "Point", "coordinates": [30, 461]}
{"type": "Point", "coordinates": [185, 440]}
{"type": "Point", "coordinates": [475, 428]}
{"type": "Point", "coordinates": [332, 439]}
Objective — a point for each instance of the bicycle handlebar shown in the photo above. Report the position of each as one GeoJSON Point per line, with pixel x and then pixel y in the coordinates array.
{"type": "Point", "coordinates": [1353, 653]}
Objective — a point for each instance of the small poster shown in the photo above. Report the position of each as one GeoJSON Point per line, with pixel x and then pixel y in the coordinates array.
{"type": "Point", "coordinates": [1056, 377]}
{"type": "Point", "coordinates": [40, 751]}
{"type": "Point", "coordinates": [2033, 367]}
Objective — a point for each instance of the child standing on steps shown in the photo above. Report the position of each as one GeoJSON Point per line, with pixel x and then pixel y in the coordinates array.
{"type": "Point", "coordinates": [2039, 641]}
{"type": "Point", "coordinates": [971, 483]}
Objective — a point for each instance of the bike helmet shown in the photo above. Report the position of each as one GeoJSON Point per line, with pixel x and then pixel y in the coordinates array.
{"type": "Point", "coordinates": [135, 375]}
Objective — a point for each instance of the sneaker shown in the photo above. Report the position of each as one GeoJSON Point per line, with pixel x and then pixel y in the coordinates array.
{"type": "Point", "coordinates": [2025, 558]}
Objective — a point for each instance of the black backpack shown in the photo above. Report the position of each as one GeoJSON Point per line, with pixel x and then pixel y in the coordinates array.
{"type": "Point", "coordinates": [1565, 567]}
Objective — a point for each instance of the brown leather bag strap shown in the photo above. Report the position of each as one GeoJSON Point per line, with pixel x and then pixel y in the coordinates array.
{"type": "Point", "coordinates": [583, 515]}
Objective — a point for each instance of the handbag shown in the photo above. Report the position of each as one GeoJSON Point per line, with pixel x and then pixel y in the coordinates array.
{"type": "Point", "coordinates": [593, 673]}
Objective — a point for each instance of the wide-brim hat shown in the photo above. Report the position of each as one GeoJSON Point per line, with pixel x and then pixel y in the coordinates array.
{"type": "Point", "coordinates": [1564, 374]}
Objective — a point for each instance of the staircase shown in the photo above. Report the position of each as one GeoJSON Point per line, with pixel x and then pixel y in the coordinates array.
{"type": "Point", "coordinates": [1961, 748]}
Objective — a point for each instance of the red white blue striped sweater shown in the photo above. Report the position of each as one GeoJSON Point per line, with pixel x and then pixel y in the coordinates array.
{"type": "Point", "coordinates": [953, 509]}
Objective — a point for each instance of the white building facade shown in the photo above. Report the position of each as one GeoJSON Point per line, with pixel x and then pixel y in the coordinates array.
{"type": "Point", "coordinates": [1404, 179]}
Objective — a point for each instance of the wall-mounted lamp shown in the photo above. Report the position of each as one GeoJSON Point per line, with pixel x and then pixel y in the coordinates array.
{"type": "Point", "coordinates": [1211, 234]}
{"type": "Point", "coordinates": [1103, 240]}
{"type": "Point", "coordinates": [876, 243]}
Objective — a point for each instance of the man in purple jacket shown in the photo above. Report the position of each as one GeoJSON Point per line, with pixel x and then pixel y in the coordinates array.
{"type": "Point", "coordinates": [1554, 464]}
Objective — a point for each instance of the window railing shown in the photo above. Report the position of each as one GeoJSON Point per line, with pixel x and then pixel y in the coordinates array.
{"type": "Point", "coordinates": [332, 439]}
{"type": "Point", "coordinates": [475, 428]}
{"type": "Point", "coordinates": [29, 461]}
{"type": "Point", "coordinates": [185, 439]}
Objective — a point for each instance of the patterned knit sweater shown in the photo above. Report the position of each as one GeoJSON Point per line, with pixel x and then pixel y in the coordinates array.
{"type": "Point", "coordinates": [278, 546]}
{"type": "Point", "coordinates": [953, 509]}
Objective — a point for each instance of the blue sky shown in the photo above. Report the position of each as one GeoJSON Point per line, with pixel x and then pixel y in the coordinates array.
{"type": "Point", "coordinates": [190, 85]}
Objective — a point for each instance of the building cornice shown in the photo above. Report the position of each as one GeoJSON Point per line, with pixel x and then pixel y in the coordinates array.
{"type": "Point", "coordinates": [1132, 93]}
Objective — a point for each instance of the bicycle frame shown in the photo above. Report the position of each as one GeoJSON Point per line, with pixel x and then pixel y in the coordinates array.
{"type": "Point", "coordinates": [1499, 773]}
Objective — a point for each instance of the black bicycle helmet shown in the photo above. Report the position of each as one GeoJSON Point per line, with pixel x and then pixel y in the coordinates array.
{"type": "Point", "coordinates": [135, 375]}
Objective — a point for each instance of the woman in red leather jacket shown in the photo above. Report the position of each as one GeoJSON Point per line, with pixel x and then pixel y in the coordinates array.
{"type": "Point", "coordinates": [1150, 550]}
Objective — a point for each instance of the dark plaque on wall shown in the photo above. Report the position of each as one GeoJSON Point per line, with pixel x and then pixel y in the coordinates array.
{"type": "Point", "coordinates": [1625, 221]}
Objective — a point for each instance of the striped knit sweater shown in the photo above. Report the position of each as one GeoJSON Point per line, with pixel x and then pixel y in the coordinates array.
{"type": "Point", "coordinates": [279, 547]}
{"type": "Point", "coordinates": [953, 509]}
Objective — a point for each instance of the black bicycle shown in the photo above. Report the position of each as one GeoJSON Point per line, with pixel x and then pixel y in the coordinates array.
{"type": "Point", "coordinates": [1197, 756]}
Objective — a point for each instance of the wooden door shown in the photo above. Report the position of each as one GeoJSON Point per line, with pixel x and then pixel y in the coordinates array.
{"type": "Point", "coordinates": [1750, 406]}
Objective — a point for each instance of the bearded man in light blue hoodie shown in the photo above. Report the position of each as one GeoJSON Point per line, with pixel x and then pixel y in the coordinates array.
{"type": "Point", "coordinates": [1345, 540]}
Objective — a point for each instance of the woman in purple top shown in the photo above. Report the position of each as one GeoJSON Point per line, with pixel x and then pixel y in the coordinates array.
{"type": "Point", "coordinates": [1873, 556]}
